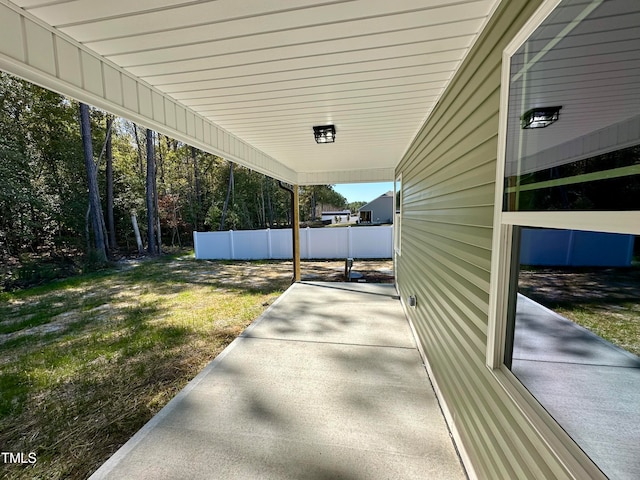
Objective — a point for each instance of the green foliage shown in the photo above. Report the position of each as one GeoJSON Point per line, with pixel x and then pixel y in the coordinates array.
{"type": "Point", "coordinates": [316, 198]}
{"type": "Point", "coordinates": [43, 187]}
{"type": "Point", "coordinates": [355, 206]}
{"type": "Point", "coordinates": [37, 271]}
{"type": "Point", "coordinates": [41, 200]}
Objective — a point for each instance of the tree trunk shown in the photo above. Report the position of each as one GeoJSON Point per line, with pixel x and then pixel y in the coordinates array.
{"type": "Point", "coordinates": [136, 231]}
{"type": "Point", "coordinates": [111, 227]}
{"type": "Point", "coordinates": [92, 177]}
{"type": "Point", "coordinates": [150, 188]}
{"type": "Point", "coordinates": [313, 203]}
{"type": "Point", "coordinates": [263, 210]}
{"type": "Point", "coordinates": [270, 204]}
{"type": "Point", "coordinates": [139, 149]}
{"type": "Point", "coordinates": [156, 204]}
{"type": "Point", "coordinates": [196, 180]}
{"type": "Point", "coordinates": [160, 161]}
{"type": "Point", "coordinates": [225, 207]}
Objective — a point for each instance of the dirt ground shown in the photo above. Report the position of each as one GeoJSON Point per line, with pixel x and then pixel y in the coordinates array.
{"type": "Point", "coordinates": [372, 271]}
{"type": "Point", "coordinates": [603, 300]}
{"type": "Point", "coordinates": [260, 274]}
{"type": "Point", "coordinates": [581, 285]}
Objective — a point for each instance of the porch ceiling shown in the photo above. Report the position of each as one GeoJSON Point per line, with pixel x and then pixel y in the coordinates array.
{"type": "Point", "coordinates": [268, 71]}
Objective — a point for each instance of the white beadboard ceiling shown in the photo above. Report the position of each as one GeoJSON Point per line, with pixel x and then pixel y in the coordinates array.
{"type": "Point", "coordinates": [591, 68]}
{"type": "Point", "coordinates": [267, 71]}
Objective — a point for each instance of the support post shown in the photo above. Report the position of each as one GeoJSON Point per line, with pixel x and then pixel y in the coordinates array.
{"type": "Point", "coordinates": [295, 227]}
{"type": "Point", "coordinates": [296, 234]}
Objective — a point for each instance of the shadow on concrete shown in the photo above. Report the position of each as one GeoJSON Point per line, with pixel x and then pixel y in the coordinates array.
{"type": "Point", "coordinates": [327, 384]}
{"type": "Point", "coordinates": [590, 386]}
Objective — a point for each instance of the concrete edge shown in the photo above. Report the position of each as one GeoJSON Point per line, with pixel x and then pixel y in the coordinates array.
{"type": "Point", "coordinates": [103, 471]}
{"type": "Point", "coordinates": [354, 287]}
{"type": "Point", "coordinates": [580, 328]}
{"type": "Point", "coordinates": [454, 434]}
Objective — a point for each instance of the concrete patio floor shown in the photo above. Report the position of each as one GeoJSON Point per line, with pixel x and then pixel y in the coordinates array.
{"type": "Point", "coordinates": [327, 384]}
{"type": "Point", "coordinates": [590, 386]}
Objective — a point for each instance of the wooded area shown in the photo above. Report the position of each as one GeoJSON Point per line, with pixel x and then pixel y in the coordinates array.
{"type": "Point", "coordinates": [77, 184]}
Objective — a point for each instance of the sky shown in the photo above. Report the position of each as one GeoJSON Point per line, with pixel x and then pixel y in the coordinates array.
{"type": "Point", "coordinates": [365, 192]}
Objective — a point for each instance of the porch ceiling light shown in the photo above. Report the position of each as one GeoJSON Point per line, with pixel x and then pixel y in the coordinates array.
{"type": "Point", "coordinates": [324, 133]}
{"type": "Point", "coordinates": [540, 117]}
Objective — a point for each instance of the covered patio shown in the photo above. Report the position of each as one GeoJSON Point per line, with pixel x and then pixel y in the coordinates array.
{"type": "Point", "coordinates": [327, 383]}
{"type": "Point", "coordinates": [428, 94]}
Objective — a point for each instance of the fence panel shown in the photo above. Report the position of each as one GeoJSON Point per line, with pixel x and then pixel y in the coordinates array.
{"type": "Point", "coordinates": [339, 243]}
{"type": "Point", "coordinates": [281, 244]}
{"type": "Point", "coordinates": [212, 245]}
{"type": "Point", "coordinates": [372, 242]}
{"type": "Point", "coordinates": [251, 244]}
{"type": "Point", "coordinates": [327, 243]}
{"type": "Point", "coordinates": [575, 248]}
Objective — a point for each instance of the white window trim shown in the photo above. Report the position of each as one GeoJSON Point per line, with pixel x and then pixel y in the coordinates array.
{"type": "Point", "coordinates": [566, 450]}
{"type": "Point", "coordinates": [397, 217]}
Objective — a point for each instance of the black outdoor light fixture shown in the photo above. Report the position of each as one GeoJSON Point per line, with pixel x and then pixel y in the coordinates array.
{"type": "Point", "coordinates": [324, 133]}
{"type": "Point", "coordinates": [540, 117]}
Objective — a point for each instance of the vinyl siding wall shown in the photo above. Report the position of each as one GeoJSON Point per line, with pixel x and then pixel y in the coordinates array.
{"type": "Point", "coordinates": [448, 180]}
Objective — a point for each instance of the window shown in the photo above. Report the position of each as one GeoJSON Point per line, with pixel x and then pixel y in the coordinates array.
{"type": "Point", "coordinates": [567, 218]}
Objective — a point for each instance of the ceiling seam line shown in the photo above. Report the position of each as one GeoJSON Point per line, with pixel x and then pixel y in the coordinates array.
{"type": "Point", "coordinates": [317, 76]}
{"type": "Point", "coordinates": [290, 45]}
{"type": "Point", "coordinates": [193, 3]}
{"type": "Point", "coordinates": [138, 65]}
{"type": "Point", "coordinates": [321, 24]}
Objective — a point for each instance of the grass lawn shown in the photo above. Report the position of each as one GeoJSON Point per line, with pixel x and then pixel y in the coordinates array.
{"type": "Point", "coordinates": [86, 362]}
{"type": "Point", "coordinates": [603, 300]}
{"type": "Point", "coordinates": [619, 325]}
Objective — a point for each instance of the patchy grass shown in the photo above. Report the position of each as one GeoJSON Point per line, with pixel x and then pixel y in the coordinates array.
{"type": "Point", "coordinates": [85, 362]}
{"type": "Point", "coordinates": [619, 324]}
{"type": "Point", "coordinates": [603, 300]}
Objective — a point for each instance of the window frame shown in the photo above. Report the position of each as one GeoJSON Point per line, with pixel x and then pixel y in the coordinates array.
{"type": "Point", "coordinates": [397, 215]}
{"type": "Point", "coordinates": [565, 448]}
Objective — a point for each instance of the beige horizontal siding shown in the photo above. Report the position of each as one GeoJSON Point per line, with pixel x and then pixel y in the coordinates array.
{"type": "Point", "coordinates": [448, 181]}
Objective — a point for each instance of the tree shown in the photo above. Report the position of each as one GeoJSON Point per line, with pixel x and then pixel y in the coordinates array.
{"type": "Point", "coordinates": [95, 208]}
{"type": "Point", "coordinates": [111, 226]}
{"type": "Point", "coordinates": [150, 195]}
{"type": "Point", "coordinates": [355, 206]}
{"type": "Point", "coordinates": [43, 202]}
{"type": "Point", "coordinates": [225, 207]}
{"type": "Point", "coordinates": [198, 191]}
{"type": "Point", "coordinates": [324, 195]}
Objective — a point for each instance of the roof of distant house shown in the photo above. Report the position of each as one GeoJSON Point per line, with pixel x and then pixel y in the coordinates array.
{"type": "Point", "coordinates": [389, 194]}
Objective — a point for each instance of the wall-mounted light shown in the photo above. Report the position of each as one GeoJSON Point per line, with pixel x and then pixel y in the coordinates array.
{"type": "Point", "coordinates": [540, 117]}
{"type": "Point", "coordinates": [412, 301]}
{"type": "Point", "coordinates": [324, 133]}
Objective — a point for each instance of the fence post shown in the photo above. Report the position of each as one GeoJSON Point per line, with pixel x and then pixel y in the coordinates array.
{"type": "Point", "coordinates": [231, 246]}
{"type": "Point", "coordinates": [309, 243]}
{"type": "Point", "coordinates": [349, 243]}
{"type": "Point", "coordinates": [195, 243]}
{"type": "Point", "coordinates": [270, 253]}
{"type": "Point", "coordinates": [569, 258]}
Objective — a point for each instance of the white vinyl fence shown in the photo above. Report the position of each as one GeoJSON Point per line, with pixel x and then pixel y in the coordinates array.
{"type": "Point", "coordinates": [344, 242]}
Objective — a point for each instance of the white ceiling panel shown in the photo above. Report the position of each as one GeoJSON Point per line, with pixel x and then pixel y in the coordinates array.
{"type": "Point", "coordinates": [592, 71]}
{"type": "Point", "coordinates": [267, 71]}
{"type": "Point", "coordinates": [357, 81]}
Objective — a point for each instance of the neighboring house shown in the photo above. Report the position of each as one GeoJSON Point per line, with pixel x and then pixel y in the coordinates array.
{"type": "Point", "coordinates": [339, 216]}
{"type": "Point", "coordinates": [471, 176]}
{"type": "Point", "coordinates": [379, 210]}
{"type": "Point", "coordinates": [322, 208]}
